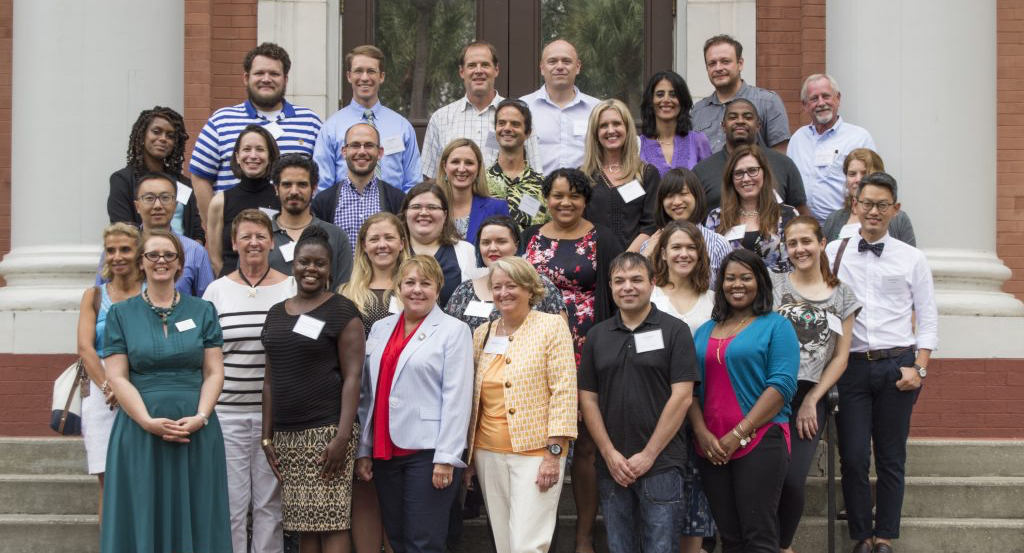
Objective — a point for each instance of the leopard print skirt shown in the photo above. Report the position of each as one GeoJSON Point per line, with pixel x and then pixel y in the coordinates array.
{"type": "Point", "coordinates": [309, 502]}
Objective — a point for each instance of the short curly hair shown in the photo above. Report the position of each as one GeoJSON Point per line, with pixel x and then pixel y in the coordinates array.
{"type": "Point", "coordinates": [578, 182]}
{"type": "Point", "coordinates": [268, 50]}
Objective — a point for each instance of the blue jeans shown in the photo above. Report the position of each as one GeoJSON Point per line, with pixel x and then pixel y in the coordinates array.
{"type": "Point", "coordinates": [643, 517]}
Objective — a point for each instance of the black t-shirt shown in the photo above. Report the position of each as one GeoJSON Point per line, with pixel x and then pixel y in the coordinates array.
{"type": "Point", "coordinates": [788, 182]}
{"type": "Point", "coordinates": [247, 194]}
{"type": "Point", "coordinates": [305, 373]}
{"type": "Point", "coordinates": [632, 387]}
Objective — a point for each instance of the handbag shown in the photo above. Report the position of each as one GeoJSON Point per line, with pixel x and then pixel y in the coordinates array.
{"type": "Point", "coordinates": [69, 389]}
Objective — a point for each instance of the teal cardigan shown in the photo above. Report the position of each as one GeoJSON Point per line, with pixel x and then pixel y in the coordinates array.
{"type": "Point", "coordinates": [764, 354]}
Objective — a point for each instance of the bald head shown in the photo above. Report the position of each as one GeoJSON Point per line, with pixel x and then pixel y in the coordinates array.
{"type": "Point", "coordinates": [559, 64]}
{"type": "Point", "coordinates": [361, 128]}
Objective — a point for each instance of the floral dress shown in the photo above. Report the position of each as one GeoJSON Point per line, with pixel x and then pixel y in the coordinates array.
{"type": "Point", "coordinates": [572, 266]}
{"type": "Point", "coordinates": [771, 250]}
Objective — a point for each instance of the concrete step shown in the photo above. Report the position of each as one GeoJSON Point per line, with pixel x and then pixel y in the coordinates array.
{"type": "Point", "coordinates": [925, 535]}
{"type": "Point", "coordinates": [42, 456]}
{"type": "Point", "coordinates": [59, 494]}
{"type": "Point", "coordinates": [930, 496]}
{"type": "Point", "coordinates": [49, 534]}
{"type": "Point", "coordinates": [951, 458]}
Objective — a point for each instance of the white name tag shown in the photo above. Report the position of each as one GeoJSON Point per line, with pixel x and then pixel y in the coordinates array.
{"type": "Point", "coordinates": [529, 205]}
{"type": "Point", "coordinates": [269, 212]}
{"type": "Point", "coordinates": [185, 325]}
{"type": "Point", "coordinates": [393, 306]}
{"type": "Point", "coordinates": [824, 158]}
{"type": "Point", "coordinates": [631, 191]}
{"type": "Point", "coordinates": [308, 327]}
{"type": "Point", "coordinates": [274, 129]}
{"type": "Point", "coordinates": [393, 145]}
{"type": "Point", "coordinates": [287, 251]}
{"type": "Point", "coordinates": [184, 193]}
{"type": "Point", "coordinates": [849, 231]}
{"type": "Point", "coordinates": [778, 199]}
{"type": "Point", "coordinates": [736, 232]}
{"type": "Point", "coordinates": [480, 309]}
{"type": "Point", "coordinates": [649, 341]}
{"type": "Point", "coordinates": [492, 142]}
{"type": "Point", "coordinates": [496, 345]}
{"type": "Point", "coordinates": [579, 128]}
{"type": "Point", "coordinates": [834, 324]}
{"type": "Point", "coordinates": [892, 283]}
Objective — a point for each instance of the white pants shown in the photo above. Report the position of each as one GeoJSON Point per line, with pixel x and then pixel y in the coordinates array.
{"type": "Point", "coordinates": [522, 517]}
{"type": "Point", "coordinates": [251, 480]}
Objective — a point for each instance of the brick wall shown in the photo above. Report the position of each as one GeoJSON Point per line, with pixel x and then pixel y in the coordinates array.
{"type": "Point", "coordinates": [1010, 141]}
{"type": "Point", "coordinates": [971, 398]}
{"type": "Point", "coordinates": [790, 46]}
{"type": "Point", "coordinates": [27, 391]}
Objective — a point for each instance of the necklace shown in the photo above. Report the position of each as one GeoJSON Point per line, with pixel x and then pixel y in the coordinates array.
{"type": "Point", "coordinates": [162, 312]}
{"type": "Point", "coordinates": [613, 168]}
{"type": "Point", "coordinates": [718, 352]}
{"type": "Point", "coordinates": [300, 227]}
{"type": "Point", "coordinates": [744, 213]}
{"type": "Point", "coordinates": [252, 287]}
{"type": "Point", "coordinates": [505, 329]}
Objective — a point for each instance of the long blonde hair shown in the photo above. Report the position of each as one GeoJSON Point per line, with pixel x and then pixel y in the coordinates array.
{"type": "Point", "coordinates": [593, 154]}
{"type": "Point", "coordinates": [480, 187]}
{"type": "Point", "coordinates": [357, 288]}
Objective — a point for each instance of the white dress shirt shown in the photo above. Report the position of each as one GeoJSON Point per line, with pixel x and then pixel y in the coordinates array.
{"type": "Point", "coordinates": [460, 119]}
{"type": "Point", "coordinates": [561, 132]}
{"type": "Point", "coordinates": [820, 159]}
{"type": "Point", "coordinates": [892, 288]}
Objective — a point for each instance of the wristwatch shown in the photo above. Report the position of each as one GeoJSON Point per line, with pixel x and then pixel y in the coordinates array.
{"type": "Point", "coordinates": [206, 419]}
{"type": "Point", "coordinates": [555, 449]}
{"type": "Point", "coordinates": [921, 371]}
{"type": "Point", "coordinates": [744, 440]}
{"type": "Point", "coordinates": [267, 441]}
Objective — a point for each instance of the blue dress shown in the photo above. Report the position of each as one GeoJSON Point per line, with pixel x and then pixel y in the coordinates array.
{"type": "Point", "coordinates": [159, 496]}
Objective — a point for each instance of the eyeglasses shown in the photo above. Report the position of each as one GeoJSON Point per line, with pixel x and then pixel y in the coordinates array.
{"type": "Point", "coordinates": [868, 206]}
{"type": "Point", "coordinates": [432, 208]}
{"type": "Point", "coordinates": [150, 199]}
{"type": "Point", "coordinates": [155, 256]}
{"type": "Point", "coordinates": [752, 172]}
{"type": "Point", "coordinates": [368, 146]}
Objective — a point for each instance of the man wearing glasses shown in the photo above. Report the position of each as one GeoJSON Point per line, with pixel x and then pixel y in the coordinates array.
{"type": "Point", "coordinates": [893, 337]}
{"type": "Point", "coordinates": [155, 202]}
{"type": "Point", "coordinates": [820, 148]}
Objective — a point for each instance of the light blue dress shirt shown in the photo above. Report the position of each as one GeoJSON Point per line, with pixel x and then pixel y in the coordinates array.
{"type": "Point", "coordinates": [820, 159]}
{"type": "Point", "coordinates": [560, 131]}
{"type": "Point", "coordinates": [400, 165]}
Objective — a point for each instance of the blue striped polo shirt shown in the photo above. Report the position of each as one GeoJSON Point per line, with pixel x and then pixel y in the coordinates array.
{"type": "Point", "coordinates": [211, 157]}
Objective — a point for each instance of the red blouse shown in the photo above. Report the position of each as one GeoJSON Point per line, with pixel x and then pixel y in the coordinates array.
{"type": "Point", "coordinates": [383, 447]}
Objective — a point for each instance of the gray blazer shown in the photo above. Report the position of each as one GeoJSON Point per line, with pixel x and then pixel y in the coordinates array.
{"type": "Point", "coordinates": [432, 391]}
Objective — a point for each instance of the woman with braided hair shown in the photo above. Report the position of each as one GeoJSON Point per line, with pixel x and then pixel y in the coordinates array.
{"type": "Point", "coordinates": [156, 144]}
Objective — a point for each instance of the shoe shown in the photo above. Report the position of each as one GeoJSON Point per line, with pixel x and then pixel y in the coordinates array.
{"type": "Point", "coordinates": [862, 547]}
{"type": "Point", "coordinates": [882, 548]}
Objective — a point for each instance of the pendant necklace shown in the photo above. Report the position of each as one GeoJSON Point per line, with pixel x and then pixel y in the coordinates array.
{"type": "Point", "coordinates": [718, 352]}
{"type": "Point", "coordinates": [162, 312]}
{"type": "Point", "coordinates": [252, 287]}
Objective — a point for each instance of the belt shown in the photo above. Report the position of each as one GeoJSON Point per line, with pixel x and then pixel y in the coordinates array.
{"type": "Point", "coordinates": [877, 354]}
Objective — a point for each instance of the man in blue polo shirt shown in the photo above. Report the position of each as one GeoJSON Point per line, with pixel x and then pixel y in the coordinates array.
{"type": "Point", "coordinates": [293, 127]}
{"type": "Point", "coordinates": [399, 164]}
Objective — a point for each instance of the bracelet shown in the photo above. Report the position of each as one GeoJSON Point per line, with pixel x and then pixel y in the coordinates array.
{"type": "Point", "coordinates": [206, 419]}
{"type": "Point", "coordinates": [267, 441]}
{"type": "Point", "coordinates": [105, 387]}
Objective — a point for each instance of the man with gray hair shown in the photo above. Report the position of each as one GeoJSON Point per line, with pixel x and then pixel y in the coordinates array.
{"type": "Point", "coordinates": [820, 148]}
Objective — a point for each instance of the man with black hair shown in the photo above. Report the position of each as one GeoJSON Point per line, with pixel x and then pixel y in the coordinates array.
{"type": "Point", "coordinates": [295, 177]}
{"type": "Point", "coordinates": [294, 128]}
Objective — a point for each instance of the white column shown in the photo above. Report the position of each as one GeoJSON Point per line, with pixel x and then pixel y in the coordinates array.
{"type": "Point", "coordinates": [82, 72]}
{"type": "Point", "coordinates": [303, 28]}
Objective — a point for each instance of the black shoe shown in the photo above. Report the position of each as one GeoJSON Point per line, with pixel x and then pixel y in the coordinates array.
{"type": "Point", "coordinates": [882, 548]}
{"type": "Point", "coordinates": [862, 547]}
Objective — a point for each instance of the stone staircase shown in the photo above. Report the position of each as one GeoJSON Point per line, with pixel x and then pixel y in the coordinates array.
{"type": "Point", "coordinates": [962, 496]}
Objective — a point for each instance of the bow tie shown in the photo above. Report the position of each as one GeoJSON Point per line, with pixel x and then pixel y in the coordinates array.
{"type": "Point", "coordinates": [876, 249]}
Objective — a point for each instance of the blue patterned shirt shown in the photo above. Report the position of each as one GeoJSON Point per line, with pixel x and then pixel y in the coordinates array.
{"type": "Point", "coordinates": [354, 207]}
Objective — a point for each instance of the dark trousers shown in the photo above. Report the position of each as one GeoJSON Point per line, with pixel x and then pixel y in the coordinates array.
{"type": "Point", "coordinates": [414, 513]}
{"type": "Point", "coordinates": [873, 410]}
{"type": "Point", "coordinates": [791, 502]}
{"type": "Point", "coordinates": [744, 495]}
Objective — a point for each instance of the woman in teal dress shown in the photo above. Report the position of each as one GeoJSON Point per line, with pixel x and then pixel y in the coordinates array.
{"type": "Point", "coordinates": [166, 486]}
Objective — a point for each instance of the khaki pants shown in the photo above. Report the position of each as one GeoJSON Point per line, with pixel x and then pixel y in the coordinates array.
{"type": "Point", "coordinates": [522, 517]}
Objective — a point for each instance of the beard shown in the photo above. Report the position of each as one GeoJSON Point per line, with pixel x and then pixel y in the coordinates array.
{"type": "Point", "coordinates": [265, 102]}
{"type": "Point", "coordinates": [361, 173]}
{"type": "Point", "coordinates": [824, 117]}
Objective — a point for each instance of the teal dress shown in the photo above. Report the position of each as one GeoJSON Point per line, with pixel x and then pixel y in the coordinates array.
{"type": "Point", "coordinates": [165, 497]}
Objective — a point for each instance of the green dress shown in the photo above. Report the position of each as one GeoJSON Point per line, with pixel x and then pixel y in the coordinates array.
{"type": "Point", "coordinates": [165, 497]}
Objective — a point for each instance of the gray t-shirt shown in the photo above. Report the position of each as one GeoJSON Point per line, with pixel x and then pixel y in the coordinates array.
{"type": "Point", "coordinates": [811, 321]}
{"type": "Point", "coordinates": [707, 116]}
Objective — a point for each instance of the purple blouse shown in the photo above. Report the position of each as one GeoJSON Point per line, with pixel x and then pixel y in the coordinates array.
{"type": "Point", "coordinates": [686, 151]}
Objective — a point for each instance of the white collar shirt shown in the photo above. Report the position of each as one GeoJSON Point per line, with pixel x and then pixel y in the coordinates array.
{"type": "Point", "coordinates": [561, 132]}
{"type": "Point", "coordinates": [820, 157]}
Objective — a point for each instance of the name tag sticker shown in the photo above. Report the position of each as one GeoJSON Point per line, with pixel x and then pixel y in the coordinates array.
{"type": "Point", "coordinates": [393, 306]}
{"type": "Point", "coordinates": [184, 193]}
{"type": "Point", "coordinates": [274, 129]}
{"type": "Point", "coordinates": [824, 158]}
{"type": "Point", "coordinates": [736, 232]}
{"type": "Point", "coordinates": [492, 142]}
{"type": "Point", "coordinates": [849, 231]}
{"type": "Point", "coordinates": [834, 324]}
{"type": "Point", "coordinates": [496, 345]}
{"type": "Point", "coordinates": [631, 191]}
{"type": "Point", "coordinates": [649, 341]}
{"type": "Point", "coordinates": [778, 199]}
{"type": "Point", "coordinates": [893, 283]}
{"type": "Point", "coordinates": [308, 327]}
{"type": "Point", "coordinates": [287, 251]}
{"type": "Point", "coordinates": [579, 128]}
{"type": "Point", "coordinates": [529, 205]}
{"type": "Point", "coordinates": [393, 145]}
{"type": "Point", "coordinates": [187, 324]}
{"type": "Point", "coordinates": [480, 309]}
{"type": "Point", "coordinates": [269, 212]}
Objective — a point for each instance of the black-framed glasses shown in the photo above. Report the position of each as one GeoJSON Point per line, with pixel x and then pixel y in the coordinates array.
{"type": "Point", "coordinates": [751, 172]}
{"type": "Point", "coordinates": [155, 256]}
{"type": "Point", "coordinates": [150, 199]}
{"type": "Point", "coordinates": [433, 208]}
{"type": "Point", "coordinates": [868, 206]}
